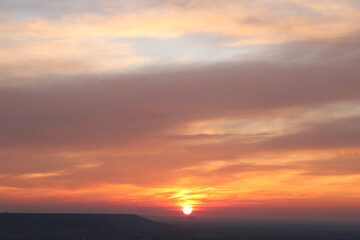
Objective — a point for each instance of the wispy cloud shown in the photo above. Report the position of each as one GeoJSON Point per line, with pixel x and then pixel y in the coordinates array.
{"type": "Point", "coordinates": [43, 175]}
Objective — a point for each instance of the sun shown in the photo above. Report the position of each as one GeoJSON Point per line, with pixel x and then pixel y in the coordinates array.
{"type": "Point", "coordinates": [187, 210]}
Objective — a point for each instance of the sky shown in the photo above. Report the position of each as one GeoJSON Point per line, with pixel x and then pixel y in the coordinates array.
{"type": "Point", "coordinates": [239, 109]}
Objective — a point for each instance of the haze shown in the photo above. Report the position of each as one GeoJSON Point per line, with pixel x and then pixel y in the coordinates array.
{"type": "Point", "coordinates": [239, 109]}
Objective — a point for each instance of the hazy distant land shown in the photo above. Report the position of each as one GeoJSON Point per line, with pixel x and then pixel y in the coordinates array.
{"type": "Point", "coordinates": [29, 226]}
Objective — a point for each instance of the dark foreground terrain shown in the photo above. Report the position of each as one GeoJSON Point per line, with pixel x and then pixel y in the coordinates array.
{"type": "Point", "coordinates": [14, 226]}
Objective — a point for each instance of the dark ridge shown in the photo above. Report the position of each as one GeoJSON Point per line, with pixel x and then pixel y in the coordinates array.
{"type": "Point", "coordinates": [70, 221]}
{"type": "Point", "coordinates": [39, 226]}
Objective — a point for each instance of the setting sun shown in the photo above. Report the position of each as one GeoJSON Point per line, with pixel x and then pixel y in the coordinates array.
{"type": "Point", "coordinates": [187, 210]}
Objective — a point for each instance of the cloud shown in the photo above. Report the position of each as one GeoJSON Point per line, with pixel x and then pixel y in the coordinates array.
{"type": "Point", "coordinates": [116, 110]}
{"type": "Point", "coordinates": [108, 138]}
{"type": "Point", "coordinates": [336, 134]}
{"type": "Point", "coordinates": [42, 175]}
{"type": "Point", "coordinates": [29, 60]}
{"type": "Point", "coordinates": [251, 22]}
{"type": "Point", "coordinates": [108, 37]}
{"type": "Point", "coordinates": [342, 165]}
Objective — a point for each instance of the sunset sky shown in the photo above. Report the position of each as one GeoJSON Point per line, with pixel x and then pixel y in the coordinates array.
{"type": "Point", "coordinates": [237, 108]}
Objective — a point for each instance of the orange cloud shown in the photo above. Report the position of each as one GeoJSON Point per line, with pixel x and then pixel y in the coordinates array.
{"type": "Point", "coordinates": [274, 134]}
{"type": "Point", "coordinates": [255, 22]}
{"type": "Point", "coordinates": [66, 56]}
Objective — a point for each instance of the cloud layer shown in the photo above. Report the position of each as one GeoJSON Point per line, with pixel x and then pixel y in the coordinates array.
{"type": "Point", "coordinates": [278, 128]}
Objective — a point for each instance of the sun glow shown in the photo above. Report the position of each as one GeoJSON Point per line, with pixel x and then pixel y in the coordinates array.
{"type": "Point", "coordinates": [187, 210]}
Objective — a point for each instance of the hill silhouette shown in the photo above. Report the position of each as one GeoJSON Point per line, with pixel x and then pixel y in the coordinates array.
{"type": "Point", "coordinates": [83, 226]}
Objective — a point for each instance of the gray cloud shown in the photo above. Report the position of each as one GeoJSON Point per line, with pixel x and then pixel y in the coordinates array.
{"type": "Point", "coordinates": [117, 109]}
{"type": "Point", "coordinates": [132, 113]}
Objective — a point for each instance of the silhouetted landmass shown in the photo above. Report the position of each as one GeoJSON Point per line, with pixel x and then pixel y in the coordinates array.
{"type": "Point", "coordinates": [82, 226]}
{"type": "Point", "coordinates": [273, 230]}
{"type": "Point", "coordinates": [16, 226]}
